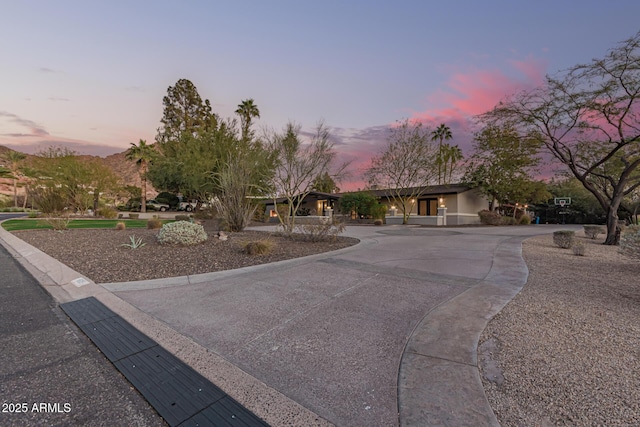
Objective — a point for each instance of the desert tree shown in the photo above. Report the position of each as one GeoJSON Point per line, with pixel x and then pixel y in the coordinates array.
{"type": "Point", "coordinates": [142, 155]}
{"type": "Point", "coordinates": [407, 166]}
{"type": "Point", "coordinates": [502, 164]}
{"type": "Point", "coordinates": [589, 116]}
{"type": "Point", "coordinates": [297, 164]}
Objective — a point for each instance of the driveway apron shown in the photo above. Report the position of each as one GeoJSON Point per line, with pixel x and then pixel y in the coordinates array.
{"type": "Point", "coordinates": [361, 337]}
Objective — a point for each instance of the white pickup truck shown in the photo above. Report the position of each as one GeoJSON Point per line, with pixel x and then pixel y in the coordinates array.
{"type": "Point", "coordinates": [188, 205]}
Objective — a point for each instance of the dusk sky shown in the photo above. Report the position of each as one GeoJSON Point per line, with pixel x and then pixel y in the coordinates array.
{"type": "Point", "coordinates": [91, 75]}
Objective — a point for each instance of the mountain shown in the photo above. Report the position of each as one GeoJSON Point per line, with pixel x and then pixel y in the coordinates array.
{"type": "Point", "coordinates": [126, 170]}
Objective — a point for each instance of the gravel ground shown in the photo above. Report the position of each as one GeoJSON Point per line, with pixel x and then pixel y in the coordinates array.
{"type": "Point", "coordinates": [99, 254]}
{"type": "Point", "coordinates": [566, 349]}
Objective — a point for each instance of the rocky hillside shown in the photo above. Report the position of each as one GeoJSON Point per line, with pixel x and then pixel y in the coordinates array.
{"type": "Point", "coordinates": [126, 170]}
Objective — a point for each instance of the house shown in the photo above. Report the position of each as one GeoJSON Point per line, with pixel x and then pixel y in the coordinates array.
{"type": "Point", "coordinates": [452, 204]}
{"type": "Point", "coordinates": [315, 203]}
{"type": "Point", "coordinates": [456, 204]}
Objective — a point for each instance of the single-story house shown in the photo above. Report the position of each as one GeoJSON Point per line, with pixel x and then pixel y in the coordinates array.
{"type": "Point", "coordinates": [453, 204]}
{"type": "Point", "coordinates": [315, 203]}
{"type": "Point", "coordinates": [461, 202]}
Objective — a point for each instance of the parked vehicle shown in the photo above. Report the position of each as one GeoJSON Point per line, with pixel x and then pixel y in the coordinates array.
{"type": "Point", "coordinates": [157, 206]}
{"type": "Point", "coordinates": [189, 205]}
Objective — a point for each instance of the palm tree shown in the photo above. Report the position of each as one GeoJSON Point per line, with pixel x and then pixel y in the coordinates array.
{"type": "Point", "coordinates": [142, 154]}
{"type": "Point", "coordinates": [247, 110]}
{"type": "Point", "coordinates": [450, 156]}
{"type": "Point", "coordinates": [441, 134]}
{"type": "Point", "coordinates": [15, 159]}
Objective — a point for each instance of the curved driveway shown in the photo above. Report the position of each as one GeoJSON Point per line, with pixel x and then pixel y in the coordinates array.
{"type": "Point", "coordinates": [373, 335]}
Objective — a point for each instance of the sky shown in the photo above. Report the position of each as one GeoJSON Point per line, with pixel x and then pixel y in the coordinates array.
{"type": "Point", "coordinates": [91, 75]}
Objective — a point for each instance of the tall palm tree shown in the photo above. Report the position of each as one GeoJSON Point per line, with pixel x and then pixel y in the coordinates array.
{"type": "Point", "coordinates": [247, 110]}
{"type": "Point", "coordinates": [450, 156]}
{"type": "Point", "coordinates": [15, 159]}
{"type": "Point", "coordinates": [441, 134]}
{"type": "Point", "coordinates": [142, 154]}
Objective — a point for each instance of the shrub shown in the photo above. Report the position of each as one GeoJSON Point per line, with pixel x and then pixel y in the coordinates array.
{"type": "Point", "coordinates": [490, 218]}
{"type": "Point", "coordinates": [592, 231]}
{"type": "Point", "coordinates": [524, 220]}
{"type": "Point", "coordinates": [182, 233]}
{"type": "Point", "coordinates": [205, 213]}
{"type": "Point", "coordinates": [58, 222]}
{"type": "Point", "coordinates": [134, 216]}
{"type": "Point", "coordinates": [579, 249]}
{"type": "Point", "coordinates": [134, 243]}
{"type": "Point", "coordinates": [154, 223]}
{"type": "Point", "coordinates": [259, 247]}
{"type": "Point", "coordinates": [121, 225]}
{"type": "Point", "coordinates": [183, 217]}
{"type": "Point", "coordinates": [630, 241]}
{"type": "Point", "coordinates": [377, 222]}
{"type": "Point", "coordinates": [108, 213]}
{"type": "Point", "coordinates": [564, 238]}
{"type": "Point", "coordinates": [509, 220]}
{"type": "Point", "coordinates": [320, 232]}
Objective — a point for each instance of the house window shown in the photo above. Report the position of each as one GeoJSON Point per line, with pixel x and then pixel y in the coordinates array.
{"type": "Point", "coordinates": [273, 213]}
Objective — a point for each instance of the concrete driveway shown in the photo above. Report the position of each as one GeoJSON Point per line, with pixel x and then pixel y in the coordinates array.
{"type": "Point", "coordinates": [374, 335]}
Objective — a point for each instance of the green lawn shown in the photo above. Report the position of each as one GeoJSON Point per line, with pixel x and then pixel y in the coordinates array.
{"type": "Point", "coordinates": [31, 224]}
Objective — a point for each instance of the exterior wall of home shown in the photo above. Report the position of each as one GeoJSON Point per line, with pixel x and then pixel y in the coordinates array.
{"type": "Point", "coordinates": [466, 207]}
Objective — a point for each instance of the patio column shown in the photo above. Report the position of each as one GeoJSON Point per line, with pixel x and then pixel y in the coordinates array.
{"type": "Point", "coordinates": [442, 216]}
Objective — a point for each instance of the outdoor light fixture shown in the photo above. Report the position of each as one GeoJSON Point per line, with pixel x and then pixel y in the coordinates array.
{"type": "Point", "coordinates": [441, 202]}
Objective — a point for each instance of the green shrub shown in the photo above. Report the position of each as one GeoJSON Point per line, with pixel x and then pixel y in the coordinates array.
{"type": "Point", "coordinates": [183, 217]}
{"type": "Point", "coordinates": [121, 225]}
{"type": "Point", "coordinates": [630, 241]}
{"type": "Point", "coordinates": [154, 223]}
{"type": "Point", "coordinates": [524, 220]}
{"type": "Point", "coordinates": [33, 214]}
{"type": "Point", "coordinates": [564, 238]}
{"type": "Point", "coordinates": [259, 247]}
{"type": "Point", "coordinates": [592, 231]}
{"type": "Point", "coordinates": [490, 218]}
{"type": "Point", "coordinates": [579, 249]}
{"type": "Point", "coordinates": [509, 220]}
{"type": "Point", "coordinates": [182, 233]}
{"type": "Point", "coordinates": [107, 213]}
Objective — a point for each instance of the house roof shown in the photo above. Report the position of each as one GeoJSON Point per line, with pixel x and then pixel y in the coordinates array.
{"type": "Point", "coordinates": [430, 190]}
{"type": "Point", "coordinates": [313, 195]}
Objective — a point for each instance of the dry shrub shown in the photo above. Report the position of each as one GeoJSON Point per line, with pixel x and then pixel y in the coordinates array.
{"type": "Point", "coordinates": [320, 232]}
{"type": "Point", "coordinates": [630, 241]}
{"type": "Point", "coordinates": [58, 221]}
{"type": "Point", "coordinates": [509, 220]}
{"type": "Point", "coordinates": [121, 225]}
{"type": "Point", "coordinates": [259, 247]}
{"type": "Point", "coordinates": [154, 223]}
{"type": "Point", "coordinates": [564, 238]}
{"type": "Point", "coordinates": [524, 220]}
{"type": "Point", "coordinates": [579, 249]}
{"type": "Point", "coordinates": [490, 218]}
{"type": "Point", "coordinates": [377, 222]}
{"type": "Point", "coordinates": [592, 231]}
{"type": "Point", "coordinates": [108, 213]}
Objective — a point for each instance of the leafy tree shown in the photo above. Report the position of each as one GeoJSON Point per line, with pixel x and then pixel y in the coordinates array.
{"type": "Point", "coordinates": [584, 207]}
{"type": "Point", "coordinates": [359, 203]}
{"type": "Point", "coordinates": [441, 133]}
{"type": "Point", "coordinates": [449, 158]}
{"type": "Point", "coordinates": [103, 181]}
{"type": "Point", "coordinates": [297, 165]}
{"type": "Point", "coordinates": [502, 164]}
{"type": "Point", "coordinates": [142, 154]}
{"type": "Point", "coordinates": [407, 166]}
{"type": "Point", "coordinates": [590, 119]}
{"type": "Point", "coordinates": [184, 112]}
{"type": "Point", "coordinates": [247, 110]}
{"type": "Point", "coordinates": [325, 184]}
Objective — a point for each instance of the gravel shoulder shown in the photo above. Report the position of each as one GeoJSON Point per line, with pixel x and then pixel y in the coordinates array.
{"type": "Point", "coordinates": [566, 349]}
{"type": "Point", "coordinates": [99, 254]}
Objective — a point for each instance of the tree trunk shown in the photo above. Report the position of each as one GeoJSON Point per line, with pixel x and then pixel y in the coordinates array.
{"type": "Point", "coordinates": [612, 222]}
{"type": "Point", "coordinates": [15, 193]}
